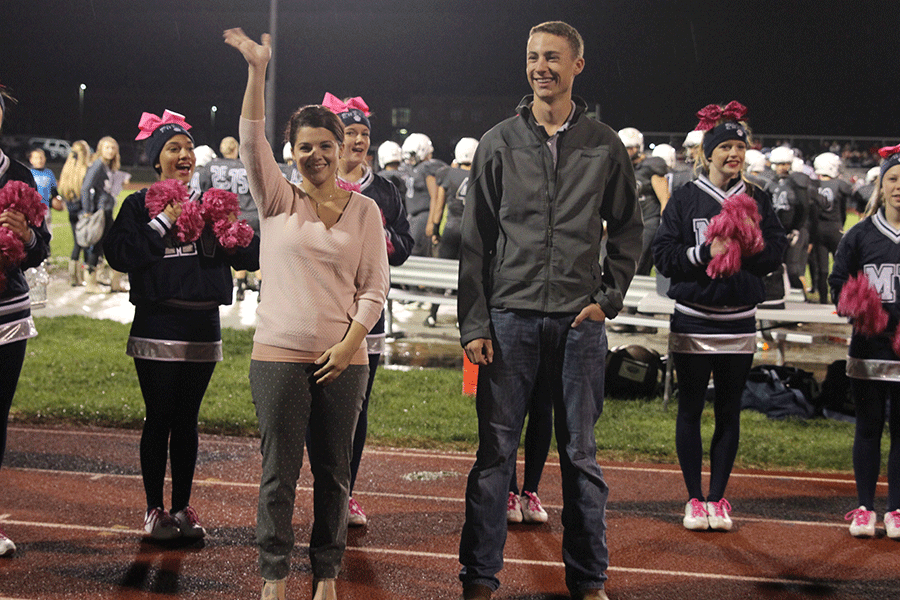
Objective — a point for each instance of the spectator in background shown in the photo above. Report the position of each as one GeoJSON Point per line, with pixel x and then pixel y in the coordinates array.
{"type": "Point", "coordinates": [45, 181]}
{"type": "Point", "coordinates": [828, 213]}
{"type": "Point", "coordinates": [451, 198]}
{"type": "Point", "coordinates": [390, 161]}
{"type": "Point", "coordinates": [98, 192]}
{"type": "Point", "coordinates": [652, 190]}
{"type": "Point", "coordinates": [863, 192]}
{"type": "Point", "coordinates": [71, 179]}
{"type": "Point", "coordinates": [227, 172]}
{"type": "Point", "coordinates": [421, 188]}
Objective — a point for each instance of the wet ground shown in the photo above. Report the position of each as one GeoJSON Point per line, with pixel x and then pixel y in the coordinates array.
{"type": "Point", "coordinates": [419, 346]}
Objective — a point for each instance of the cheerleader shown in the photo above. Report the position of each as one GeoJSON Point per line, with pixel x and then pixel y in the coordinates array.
{"type": "Point", "coordinates": [713, 327]}
{"type": "Point", "coordinates": [353, 168]}
{"type": "Point", "coordinates": [872, 247]}
{"type": "Point", "coordinates": [16, 324]}
{"type": "Point", "coordinates": [175, 339]}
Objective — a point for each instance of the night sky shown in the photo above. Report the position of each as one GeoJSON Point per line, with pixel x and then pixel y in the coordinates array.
{"type": "Point", "coordinates": [649, 63]}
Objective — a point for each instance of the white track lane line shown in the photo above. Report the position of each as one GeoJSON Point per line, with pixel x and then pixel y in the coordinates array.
{"type": "Point", "coordinates": [454, 557]}
{"type": "Point", "coordinates": [414, 497]}
{"type": "Point", "coordinates": [465, 457]}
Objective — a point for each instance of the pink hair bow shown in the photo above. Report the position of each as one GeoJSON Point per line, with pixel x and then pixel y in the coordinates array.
{"type": "Point", "coordinates": [150, 122]}
{"type": "Point", "coordinates": [338, 106]}
{"type": "Point", "coordinates": [889, 151]}
{"type": "Point", "coordinates": [710, 114]}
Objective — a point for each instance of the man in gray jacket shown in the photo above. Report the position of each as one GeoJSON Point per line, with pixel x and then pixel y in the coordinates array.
{"type": "Point", "coordinates": [533, 299]}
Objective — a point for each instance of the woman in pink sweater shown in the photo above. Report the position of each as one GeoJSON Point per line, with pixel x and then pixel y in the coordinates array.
{"type": "Point", "coordinates": [324, 256]}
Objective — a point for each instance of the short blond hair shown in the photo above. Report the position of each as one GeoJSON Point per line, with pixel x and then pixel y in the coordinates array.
{"type": "Point", "coordinates": [228, 146]}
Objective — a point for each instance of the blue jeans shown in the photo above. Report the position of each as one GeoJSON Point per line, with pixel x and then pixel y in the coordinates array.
{"type": "Point", "coordinates": [528, 345]}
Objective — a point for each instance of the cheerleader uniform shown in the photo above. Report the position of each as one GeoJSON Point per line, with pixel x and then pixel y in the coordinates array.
{"type": "Point", "coordinates": [16, 323]}
{"type": "Point", "coordinates": [873, 247]}
{"type": "Point", "coordinates": [175, 336]}
{"type": "Point", "coordinates": [713, 327]}
{"type": "Point", "coordinates": [396, 225]}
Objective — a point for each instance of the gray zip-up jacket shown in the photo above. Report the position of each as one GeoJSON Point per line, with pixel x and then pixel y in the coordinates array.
{"type": "Point", "coordinates": [531, 232]}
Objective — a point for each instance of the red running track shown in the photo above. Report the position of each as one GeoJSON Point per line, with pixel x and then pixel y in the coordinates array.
{"type": "Point", "coordinates": [72, 500]}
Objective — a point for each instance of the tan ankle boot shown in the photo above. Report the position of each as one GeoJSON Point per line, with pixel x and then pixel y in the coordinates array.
{"type": "Point", "coordinates": [273, 590]}
{"type": "Point", "coordinates": [324, 589]}
{"type": "Point", "coordinates": [74, 280]}
{"type": "Point", "coordinates": [115, 281]}
{"type": "Point", "coordinates": [91, 286]}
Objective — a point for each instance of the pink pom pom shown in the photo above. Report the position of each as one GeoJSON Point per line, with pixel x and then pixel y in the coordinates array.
{"type": "Point", "coordinates": [861, 302]}
{"type": "Point", "coordinates": [189, 224]}
{"type": "Point", "coordinates": [726, 264]}
{"type": "Point", "coordinates": [217, 205]}
{"type": "Point", "coordinates": [21, 197]}
{"type": "Point", "coordinates": [738, 221]}
{"type": "Point", "coordinates": [895, 342]}
{"type": "Point", "coordinates": [163, 193]}
{"type": "Point", "coordinates": [11, 247]}
{"type": "Point", "coordinates": [230, 235]}
{"type": "Point", "coordinates": [349, 186]}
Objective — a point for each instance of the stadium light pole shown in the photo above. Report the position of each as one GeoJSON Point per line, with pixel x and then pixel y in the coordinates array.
{"type": "Point", "coordinates": [212, 124]}
{"type": "Point", "coordinates": [270, 84]}
{"type": "Point", "coordinates": [81, 89]}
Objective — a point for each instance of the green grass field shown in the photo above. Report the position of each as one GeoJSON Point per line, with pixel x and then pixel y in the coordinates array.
{"type": "Point", "coordinates": [76, 372]}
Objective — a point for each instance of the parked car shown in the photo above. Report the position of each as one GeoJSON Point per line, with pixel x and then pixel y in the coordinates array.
{"type": "Point", "coordinates": [54, 148]}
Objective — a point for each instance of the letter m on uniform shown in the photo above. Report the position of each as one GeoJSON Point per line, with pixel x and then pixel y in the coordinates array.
{"type": "Point", "coordinates": [882, 278]}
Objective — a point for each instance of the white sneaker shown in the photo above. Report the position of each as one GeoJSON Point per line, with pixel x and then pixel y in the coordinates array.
{"type": "Point", "coordinates": [532, 511]}
{"type": "Point", "coordinates": [357, 517]}
{"type": "Point", "coordinates": [862, 522]}
{"type": "Point", "coordinates": [189, 523]}
{"type": "Point", "coordinates": [513, 509]}
{"type": "Point", "coordinates": [159, 525]}
{"type": "Point", "coordinates": [719, 519]}
{"type": "Point", "coordinates": [7, 548]}
{"type": "Point", "coordinates": [696, 517]}
{"type": "Point", "coordinates": [892, 524]}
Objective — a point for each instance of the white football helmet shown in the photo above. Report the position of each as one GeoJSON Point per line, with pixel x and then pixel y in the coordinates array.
{"type": "Point", "coordinates": [755, 161]}
{"type": "Point", "coordinates": [465, 150]}
{"type": "Point", "coordinates": [781, 155]}
{"type": "Point", "coordinates": [827, 164]}
{"type": "Point", "coordinates": [389, 152]}
{"type": "Point", "coordinates": [872, 174]}
{"type": "Point", "coordinates": [632, 138]}
{"type": "Point", "coordinates": [693, 139]}
{"type": "Point", "coordinates": [203, 154]}
{"type": "Point", "coordinates": [799, 165]}
{"type": "Point", "coordinates": [667, 153]}
{"type": "Point", "coordinates": [418, 145]}
{"type": "Point", "coordinates": [286, 152]}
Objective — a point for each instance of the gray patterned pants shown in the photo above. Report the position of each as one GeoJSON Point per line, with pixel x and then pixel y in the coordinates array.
{"type": "Point", "coordinates": [287, 400]}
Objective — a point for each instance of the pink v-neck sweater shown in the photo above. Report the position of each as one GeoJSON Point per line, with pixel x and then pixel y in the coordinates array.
{"type": "Point", "coordinates": [316, 279]}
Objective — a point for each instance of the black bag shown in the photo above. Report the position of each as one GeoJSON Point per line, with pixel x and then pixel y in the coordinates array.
{"type": "Point", "coordinates": [633, 371]}
{"type": "Point", "coordinates": [836, 400]}
{"type": "Point", "coordinates": [766, 392]}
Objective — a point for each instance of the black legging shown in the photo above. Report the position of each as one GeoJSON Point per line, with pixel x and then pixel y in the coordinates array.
{"type": "Point", "coordinates": [12, 356]}
{"type": "Point", "coordinates": [538, 436]}
{"type": "Point", "coordinates": [729, 372]}
{"type": "Point", "coordinates": [871, 398]}
{"type": "Point", "coordinates": [172, 394]}
{"type": "Point", "coordinates": [76, 249]}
